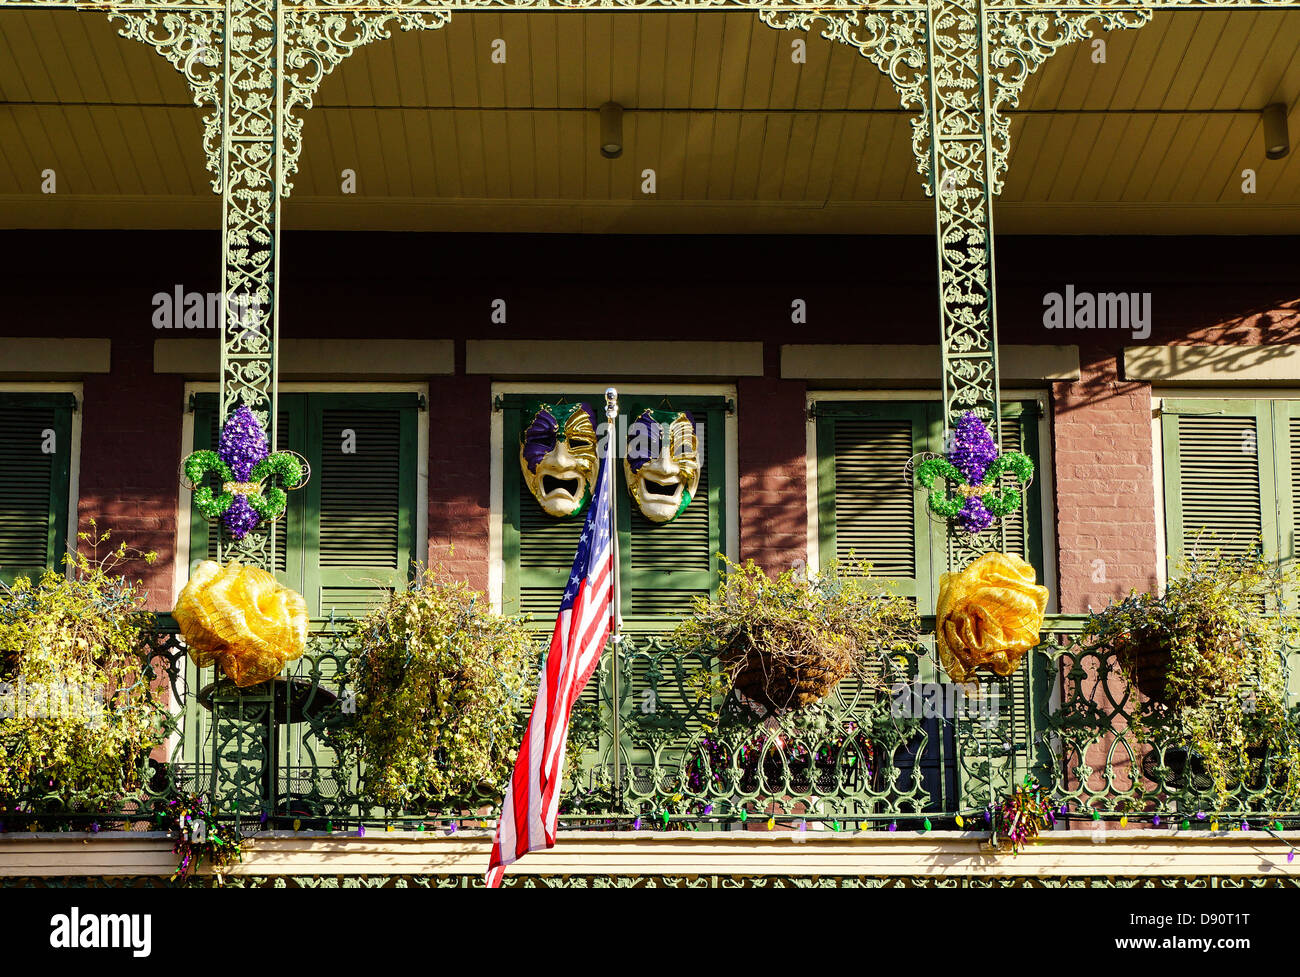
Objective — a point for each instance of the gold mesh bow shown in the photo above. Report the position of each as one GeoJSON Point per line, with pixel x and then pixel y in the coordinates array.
{"type": "Point", "coordinates": [240, 618]}
{"type": "Point", "coordinates": [988, 616]}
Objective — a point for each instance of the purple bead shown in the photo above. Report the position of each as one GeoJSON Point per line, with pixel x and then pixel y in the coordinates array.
{"type": "Point", "coordinates": [974, 516]}
{"type": "Point", "coordinates": [972, 449]}
{"type": "Point", "coordinates": [240, 519]}
{"type": "Point", "coordinates": [243, 442]}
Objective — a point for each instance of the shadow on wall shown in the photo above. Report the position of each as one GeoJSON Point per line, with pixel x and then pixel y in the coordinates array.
{"type": "Point", "coordinates": [1263, 334]}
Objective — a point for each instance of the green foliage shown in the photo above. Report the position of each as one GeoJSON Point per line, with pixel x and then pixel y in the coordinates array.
{"type": "Point", "coordinates": [777, 632]}
{"type": "Point", "coordinates": [78, 715]}
{"type": "Point", "coordinates": [1221, 622]}
{"type": "Point", "coordinates": [441, 682]}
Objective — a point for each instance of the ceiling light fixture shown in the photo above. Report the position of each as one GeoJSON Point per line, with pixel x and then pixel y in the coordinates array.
{"type": "Point", "coordinates": [1277, 143]}
{"type": "Point", "coordinates": [611, 130]}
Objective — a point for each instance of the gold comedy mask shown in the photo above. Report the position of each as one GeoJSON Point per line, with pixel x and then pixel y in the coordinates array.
{"type": "Point", "coordinates": [662, 463]}
{"type": "Point", "coordinates": [557, 455]}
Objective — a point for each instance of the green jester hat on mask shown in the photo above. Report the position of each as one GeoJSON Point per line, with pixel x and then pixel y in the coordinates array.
{"type": "Point", "coordinates": [557, 455]}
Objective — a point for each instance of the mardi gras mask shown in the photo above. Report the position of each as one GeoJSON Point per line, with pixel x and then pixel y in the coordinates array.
{"type": "Point", "coordinates": [662, 463]}
{"type": "Point", "coordinates": [557, 454]}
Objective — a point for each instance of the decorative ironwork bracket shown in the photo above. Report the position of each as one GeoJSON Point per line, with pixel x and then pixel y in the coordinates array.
{"type": "Point", "coordinates": [959, 65]}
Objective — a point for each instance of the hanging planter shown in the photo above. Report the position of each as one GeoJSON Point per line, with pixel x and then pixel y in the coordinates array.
{"type": "Point", "coordinates": [786, 643]}
{"type": "Point", "coordinates": [1203, 656]}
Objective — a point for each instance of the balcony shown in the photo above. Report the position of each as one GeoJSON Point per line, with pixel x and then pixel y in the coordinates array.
{"type": "Point", "coordinates": [905, 758]}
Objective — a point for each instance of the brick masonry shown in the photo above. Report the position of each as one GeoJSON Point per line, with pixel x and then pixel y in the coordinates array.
{"type": "Point", "coordinates": [130, 454]}
{"type": "Point", "coordinates": [856, 289]}
{"type": "Point", "coordinates": [771, 438]}
{"type": "Point", "coordinates": [459, 473]}
{"type": "Point", "coordinates": [1105, 492]}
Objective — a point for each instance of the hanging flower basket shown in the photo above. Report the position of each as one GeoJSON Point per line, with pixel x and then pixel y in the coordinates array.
{"type": "Point", "coordinates": [789, 678]}
{"type": "Point", "coordinates": [785, 643]}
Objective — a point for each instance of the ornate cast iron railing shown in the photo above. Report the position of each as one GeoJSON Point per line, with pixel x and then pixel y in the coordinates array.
{"type": "Point", "coordinates": [893, 750]}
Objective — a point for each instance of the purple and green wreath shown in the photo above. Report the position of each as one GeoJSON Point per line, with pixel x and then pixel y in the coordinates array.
{"type": "Point", "coordinates": [244, 465]}
{"type": "Point", "coordinates": [972, 469]}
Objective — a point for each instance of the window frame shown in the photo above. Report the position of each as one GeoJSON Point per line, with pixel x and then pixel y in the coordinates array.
{"type": "Point", "coordinates": [71, 514]}
{"type": "Point", "coordinates": [596, 395]}
{"type": "Point", "coordinates": [184, 523]}
{"type": "Point", "coordinates": [1044, 469]}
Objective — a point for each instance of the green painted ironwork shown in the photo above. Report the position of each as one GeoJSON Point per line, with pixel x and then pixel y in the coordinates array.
{"type": "Point", "coordinates": [254, 67]}
{"type": "Point", "coordinates": [960, 65]}
{"type": "Point", "coordinates": [690, 761]}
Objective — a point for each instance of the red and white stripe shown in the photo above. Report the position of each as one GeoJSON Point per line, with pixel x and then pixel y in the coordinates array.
{"type": "Point", "coordinates": [530, 809]}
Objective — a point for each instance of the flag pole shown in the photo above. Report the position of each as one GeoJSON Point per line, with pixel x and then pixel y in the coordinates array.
{"type": "Point", "coordinates": [616, 638]}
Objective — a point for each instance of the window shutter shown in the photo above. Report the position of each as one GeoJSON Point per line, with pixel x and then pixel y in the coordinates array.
{"type": "Point", "coordinates": [537, 549]}
{"type": "Point", "coordinates": [866, 509]}
{"type": "Point", "coordinates": [204, 533]}
{"type": "Point", "coordinates": [34, 485]}
{"type": "Point", "coordinates": [1024, 526]}
{"type": "Point", "coordinates": [347, 539]}
{"type": "Point", "coordinates": [1021, 711]}
{"type": "Point", "coordinates": [360, 547]}
{"type": "Point", "coordinates": [666, 566]}
{"type": "Point", "coordinates": [1218, 477]}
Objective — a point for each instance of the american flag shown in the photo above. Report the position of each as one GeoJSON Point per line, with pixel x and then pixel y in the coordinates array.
{"type": "Point", "coordinates": [531, 805]}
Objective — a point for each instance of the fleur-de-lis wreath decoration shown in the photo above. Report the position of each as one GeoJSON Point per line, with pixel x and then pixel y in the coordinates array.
{"type": "Point", "coordinates": [248, 472]}
{"type": "Point", "coordinates": [972, 468]}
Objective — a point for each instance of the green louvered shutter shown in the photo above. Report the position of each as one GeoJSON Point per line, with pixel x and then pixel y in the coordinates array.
{"type": "Point", "coordinates": [347, 539]}
{"type": "Point", "coordinates": [866, 509]}
{"type": "Point", "coordinates": [1024, 526]}
{"type": "Point", "coordinates": [537, 549]}
{"type": "Point", "coordinates": [1286, 441]}
{"type": "Point", "coordinates": [360, 546]}
{"type": "Point", "coordinates": [35, 464]}
{"type": "Point", "coordinates": [1219, 477]}
{"type": "Point", "coordinates": [204, 533]}
{"type": "Point", "coordinates": [666, 566]}
{"type": "Point", "coordinates": [1024, 695]}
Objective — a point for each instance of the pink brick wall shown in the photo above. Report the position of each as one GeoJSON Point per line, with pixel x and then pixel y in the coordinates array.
{"type": "Point", "coordinates": [1105, 492]}
{"type": "Point", "coordinates": [460, 410]}
{"type": "Point", "coordinates": [773, 474]}
{"type": "Point", "coordinates": [130, 452]}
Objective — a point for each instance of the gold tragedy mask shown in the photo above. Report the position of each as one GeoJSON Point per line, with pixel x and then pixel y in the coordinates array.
{"type": "Point", "coordinates": [557, 455]}
{"type": "Point", "coordinates": [662, 463]}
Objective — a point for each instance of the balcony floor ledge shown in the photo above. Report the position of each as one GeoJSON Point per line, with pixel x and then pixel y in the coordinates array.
{"type": "Point", "coordinates": [1125, 853]}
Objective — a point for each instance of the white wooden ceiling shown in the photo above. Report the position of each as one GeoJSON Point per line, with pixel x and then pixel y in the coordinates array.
{"type": "Point", "coordinates": [741, 138]}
